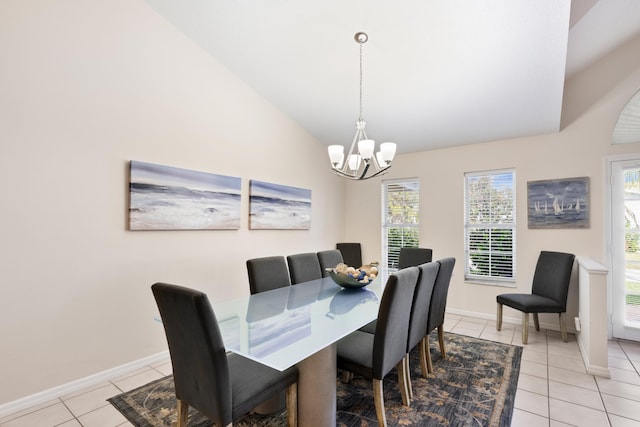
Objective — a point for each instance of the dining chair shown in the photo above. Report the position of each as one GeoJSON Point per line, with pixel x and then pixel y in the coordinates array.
{"type": "Point", "coordinates": [329, 259]}
{"type": "Point", "coordinates": [413, 257]}
{"type": "Point", "coordinates": [375, 355]}
{"type": "Point", "coordinates": [420, 316]}
{"type": "Point", "coordinates": [267, 273]}
{"type": "Point", "coordinates": [351, 253]}
{"type": "Point", "coordinates": [221, 386]}
{"type": "Point", "coordinates": [548, 293]}
{"type": "Point", "coordinates": [304, 267]}
{"type": "Point", "coordinates": [437, 308]}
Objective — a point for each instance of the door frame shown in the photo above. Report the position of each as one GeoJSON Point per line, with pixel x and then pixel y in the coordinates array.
{"type": "Point", "coordinates": [608, 228]}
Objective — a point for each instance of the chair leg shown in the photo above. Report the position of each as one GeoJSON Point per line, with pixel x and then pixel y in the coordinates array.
{"type": "Point", "coordinates": [403, 384]}
{"type": "Point", "coordinates": [499, 318]}
{"type": "Point", "coordinates": [378, 398]}
{"type": "Point", "coordinates": [427, 351]}
{"type": "Point", "coordinates": [183, 413]}
{"type": "Point", "coordinates": [536, 322]}
{"type": "Point", "coordinates": [441, 341]}
{"type": "Point", "coordinates": [525, 328]}
{"type": "Point", "coordinates": [563, 326]}
{"type": "Point", "coordinates": [292, 405]}
{"type": "Point", "coordinates": [407, 377]}
{"type": "Point", "coordinates": [423, 357]}
{"type": "Point", "coordinates": [347, 377]}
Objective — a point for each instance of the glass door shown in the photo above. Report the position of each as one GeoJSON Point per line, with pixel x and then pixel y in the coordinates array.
{"type": "Point", "coordinates": [625, 249]}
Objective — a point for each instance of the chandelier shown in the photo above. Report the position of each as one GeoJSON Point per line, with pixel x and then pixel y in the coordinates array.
{"type": "Point", "coordinates": [360, 159]}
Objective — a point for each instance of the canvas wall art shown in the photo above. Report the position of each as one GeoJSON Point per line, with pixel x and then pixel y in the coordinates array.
{"type": "Point", "coordinates": [558, 203]}
{"type": "Point", "coordinates": [169, 198]}
{"type": "Point", "coordinates": [278, 207]}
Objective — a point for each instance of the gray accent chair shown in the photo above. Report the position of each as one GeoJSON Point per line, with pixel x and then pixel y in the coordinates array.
{"type": "Point", "coordinates": [221, 386]}
{"type": "Point", "coordinates": [304, 267]}
{"type": "Point", "coordinates": [438, 307]}
{"type": "Point", "coordinates": [375, 355]}
{"type": "Point", "coordinates": [351, 253]}
{"type": "Point", "coordinates": [548, 294]}
{"type": "Point", "coordinates": [413, 257]}
{"type": "Point", "coordinates": [267, 273]}
{"type": "Point", "coordinates": [329, 259]}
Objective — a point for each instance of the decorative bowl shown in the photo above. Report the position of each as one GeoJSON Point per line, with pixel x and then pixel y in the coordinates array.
{"type": "Point", "coordinates": [345, 281]}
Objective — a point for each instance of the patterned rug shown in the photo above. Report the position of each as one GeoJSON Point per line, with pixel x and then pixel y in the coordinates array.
{"type": "Point", "coordinates": [474, 386]}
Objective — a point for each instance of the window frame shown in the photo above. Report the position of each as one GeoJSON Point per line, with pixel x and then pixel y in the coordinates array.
{"type": "Point", "coordinates": [490, 279]}
{"type": "Point", "coordinates": [386, 225]}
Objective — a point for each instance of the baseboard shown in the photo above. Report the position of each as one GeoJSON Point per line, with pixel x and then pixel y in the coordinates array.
{"type": "Point", "coordinates": [80, 384]}
{"type": "Point", "coordinates": [601, 371]}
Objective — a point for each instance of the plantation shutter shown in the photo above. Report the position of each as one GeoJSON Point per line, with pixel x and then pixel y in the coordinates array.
{"type": "Point", "coordinates": [400, 218]}
{"type": "Point", "coordinates": [490, 226]}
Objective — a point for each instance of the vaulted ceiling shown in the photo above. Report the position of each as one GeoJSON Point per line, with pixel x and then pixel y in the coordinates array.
{"type": "Point", "coordinates": [436, 73]}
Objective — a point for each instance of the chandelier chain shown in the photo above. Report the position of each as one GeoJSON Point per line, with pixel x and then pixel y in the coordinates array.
{"type": "Point", "coordinates": [360, 117]}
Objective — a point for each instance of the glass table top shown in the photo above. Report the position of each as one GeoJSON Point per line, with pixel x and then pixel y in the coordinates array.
{"type": "Point", "coordinates": [281, 327]}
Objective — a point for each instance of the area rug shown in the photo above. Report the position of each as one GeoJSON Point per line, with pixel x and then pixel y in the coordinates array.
{"type": "Point", "coordinates": [474, 385]}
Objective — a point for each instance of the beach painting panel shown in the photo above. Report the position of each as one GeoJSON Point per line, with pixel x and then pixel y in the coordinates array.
{"type": "Point", "coordinates": [170, 198]}
{"type": "Point", "coordinates": [558, 203]}
{"type": "Point", "coordinates": [278, 207]}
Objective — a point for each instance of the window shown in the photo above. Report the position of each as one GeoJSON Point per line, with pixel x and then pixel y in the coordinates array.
{"type": "Point", "coordinates": [400, 219]}
{"type": "Point", "coordinates": [490, 226]}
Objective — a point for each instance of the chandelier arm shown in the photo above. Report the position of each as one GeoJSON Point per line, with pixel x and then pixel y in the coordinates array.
{"type": "Point", "coordinates": [357, 177]}
{"type": "Point", "coordinates": [380, 172]}
{"type": "Point", "coordinates": [364, 171]}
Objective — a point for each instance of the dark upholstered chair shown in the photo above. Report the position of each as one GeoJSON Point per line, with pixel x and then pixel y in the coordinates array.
{"type": "Point", "coordinates": [221, 386]}
{"type": "Point", "coordinates": [375, 355]}
{"type": "Point", "coordinates": [351, 253]}
{"type": "Point", "coordinates": [267, 273]}
{"type": "Point", "coordinates": [548, 294]}
{"type": "Point", "coordinates": [304, 267]}
{"type": "Point", "coordinates": [438, 307]}
{"type": "Point", "coordinates": [329, 259]}
{"type": "Point", "coordinates": [413, 257]}
{"type": "Point", "coordinates": [420, 317]}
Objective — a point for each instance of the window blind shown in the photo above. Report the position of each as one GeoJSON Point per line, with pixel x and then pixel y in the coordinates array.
{"type": "Point", "coordinates": [400, 218]}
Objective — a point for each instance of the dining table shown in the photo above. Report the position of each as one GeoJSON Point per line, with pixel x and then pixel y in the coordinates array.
{"type": "Point", "coordinates": [299, 325]}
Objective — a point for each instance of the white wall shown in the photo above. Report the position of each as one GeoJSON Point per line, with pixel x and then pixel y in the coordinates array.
{"type": "Point", "coordinates": [592, 102]}
{"type": "Point", "coordinates": [86, 86]}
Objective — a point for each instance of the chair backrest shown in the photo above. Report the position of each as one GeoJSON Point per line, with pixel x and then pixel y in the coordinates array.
{"type": "Point", "coordinates": [440, 289]}
{"type": "Point", "coordinates": [421, 303]}
{"type": "Point", "coordinates": [351, 254]}
{"type": "Point", "coordinates": [198, 356]}
{"type": "Point", "coordinates": [413, 257]}
{"type": "Point", "coordinates": [267, 273]}
{"type": "Point", "coordinates": [329, 259]}
{"type": "Point", "coordinates": [304, 267]}
{"type": "Point", "coordinates": [552, 276]}
{"type": "Point", "coordinates": [392, 326]}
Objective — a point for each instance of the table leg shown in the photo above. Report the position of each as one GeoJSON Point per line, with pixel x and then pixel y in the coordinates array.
{"type": "Point", "coordinates": [317, 389]}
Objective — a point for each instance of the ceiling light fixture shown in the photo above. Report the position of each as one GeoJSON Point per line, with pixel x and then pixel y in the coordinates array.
{"type": "Point", "coordinates": [361, 159]}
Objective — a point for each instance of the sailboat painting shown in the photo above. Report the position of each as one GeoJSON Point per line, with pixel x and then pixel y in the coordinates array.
{"type": "Point", "coordinates": [558, 203]}
{"type": "Point", "coordinates": [169, 198]}
{"type": "Point", "coordinates": [278, 207]}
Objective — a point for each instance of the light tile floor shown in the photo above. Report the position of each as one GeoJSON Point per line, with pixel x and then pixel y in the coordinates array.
{"type": "Point", "coordinates": [554, 389]}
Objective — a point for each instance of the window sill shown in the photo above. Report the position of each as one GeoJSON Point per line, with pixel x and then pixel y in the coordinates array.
{"type": "Point", "coordinates": [491, 283]}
